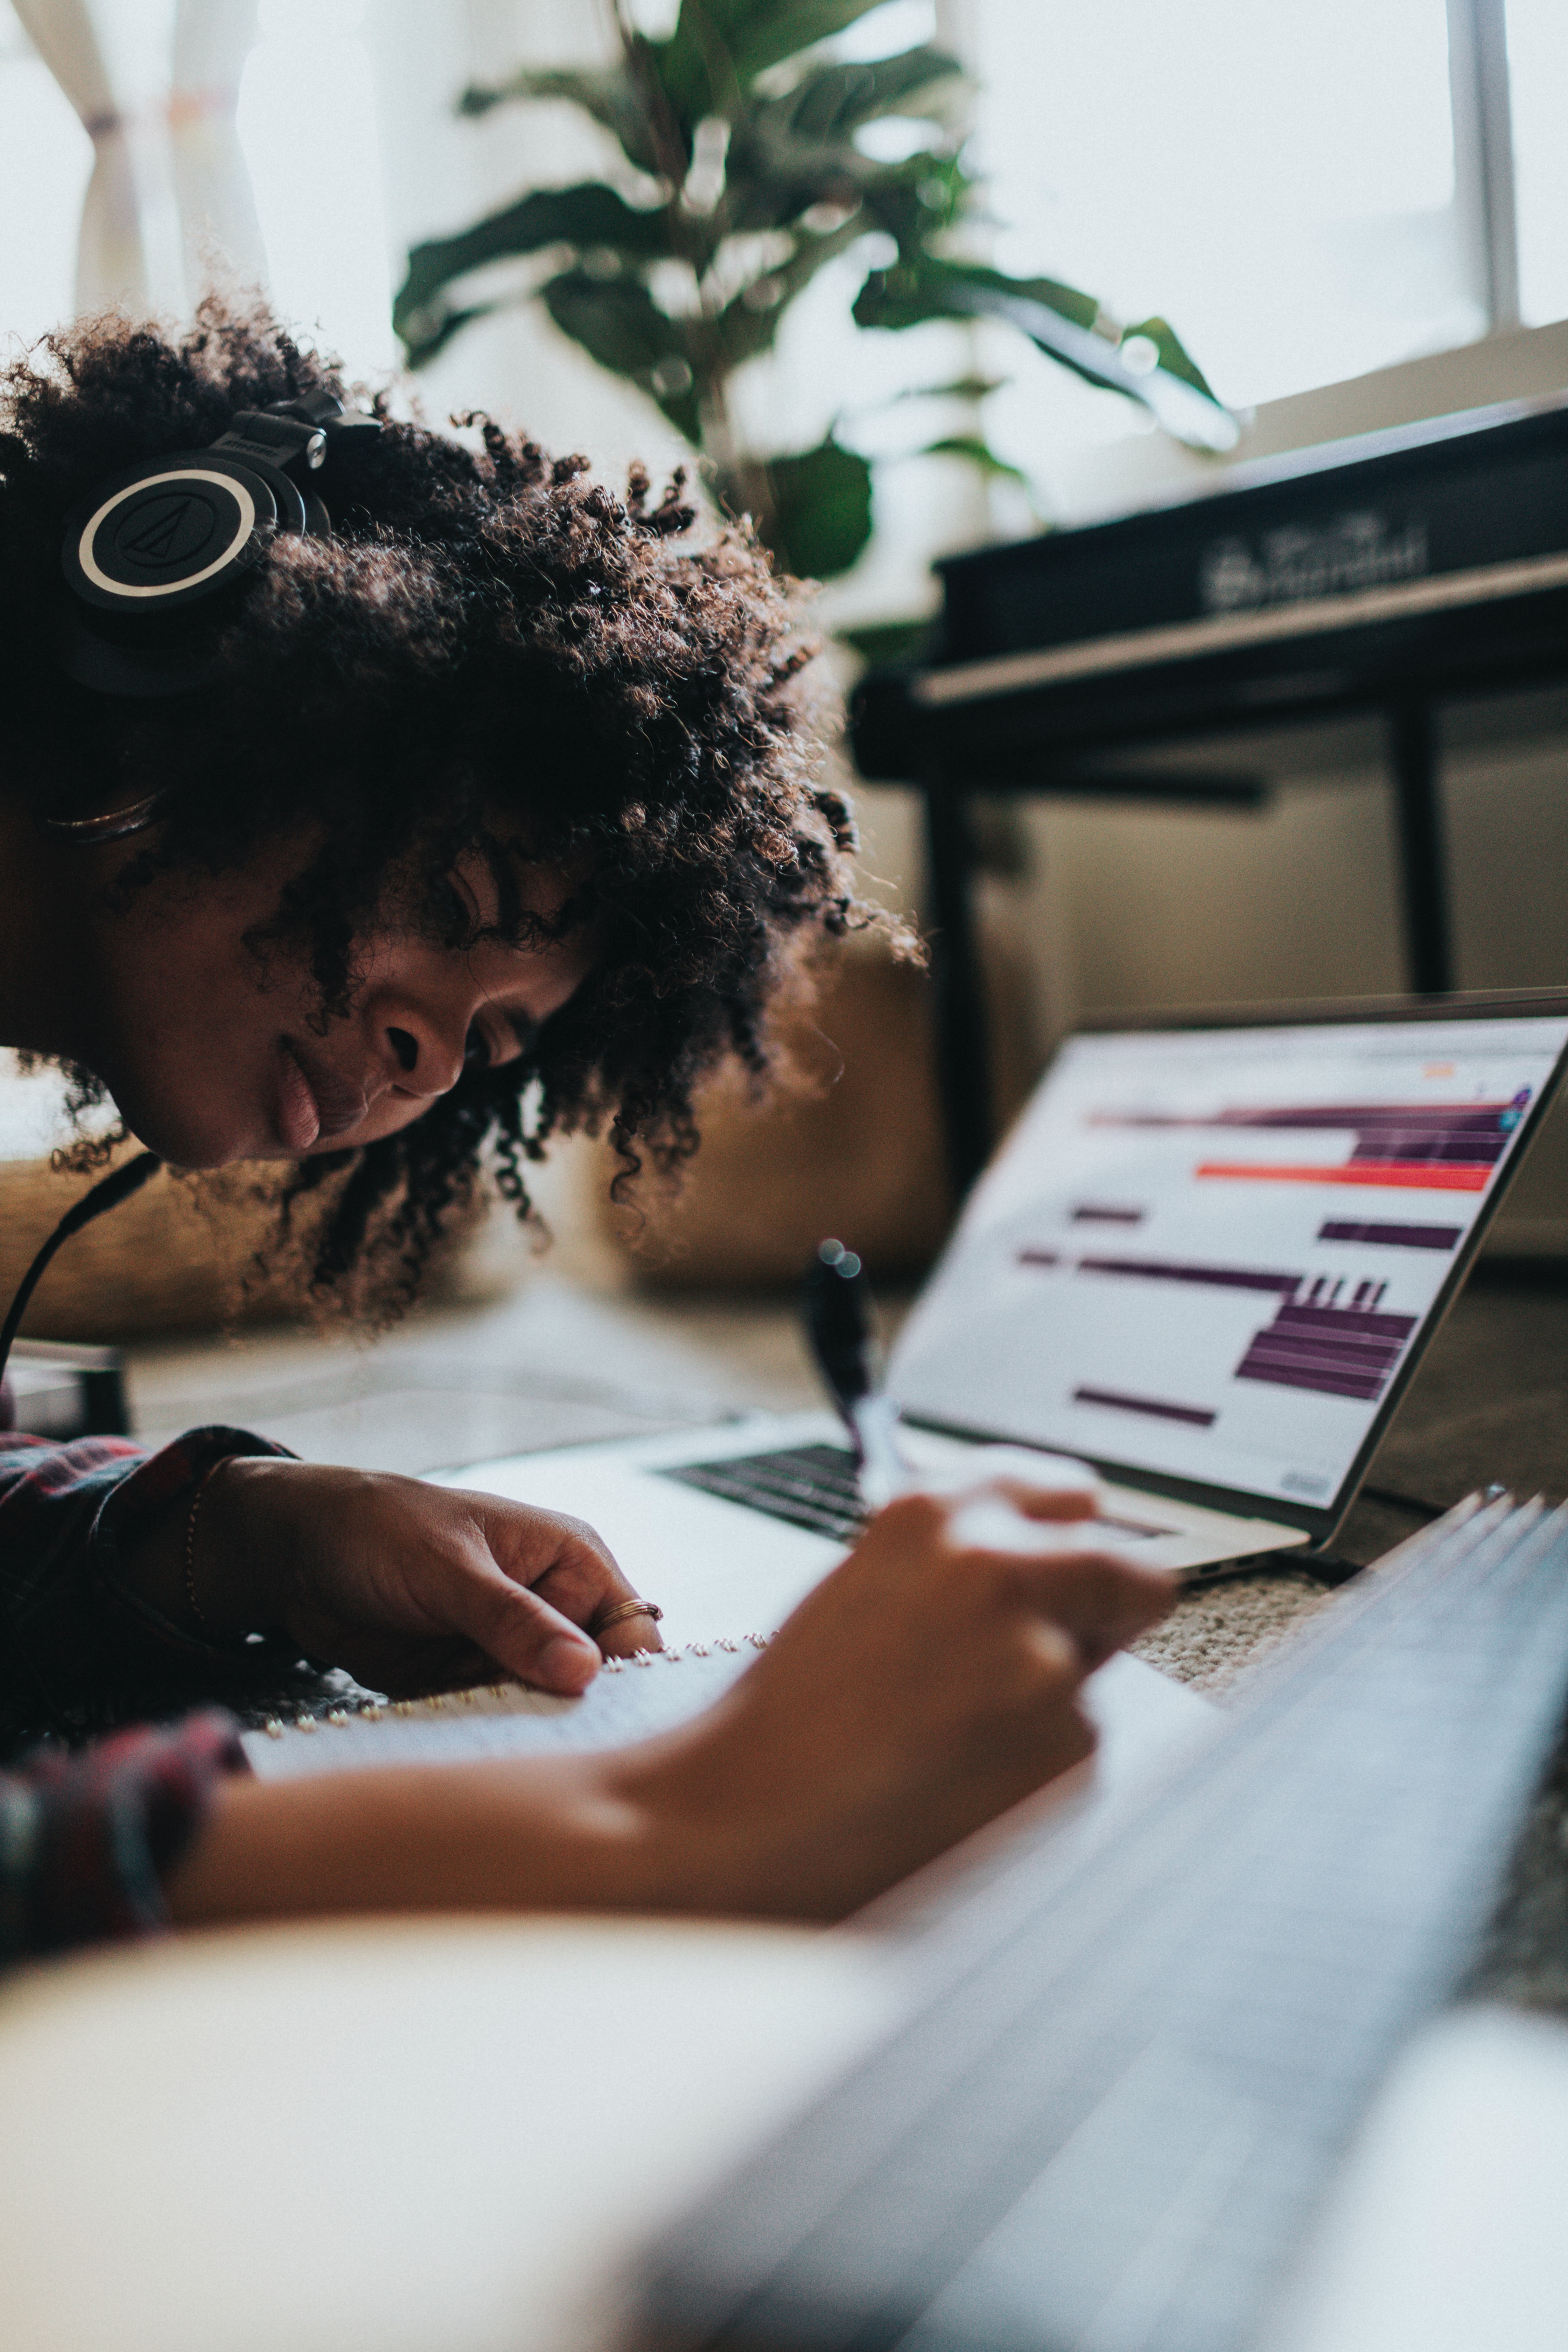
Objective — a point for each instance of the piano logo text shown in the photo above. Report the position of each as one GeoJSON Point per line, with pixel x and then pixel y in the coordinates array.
{"type": "Point", "coordinates": [1295, 565]}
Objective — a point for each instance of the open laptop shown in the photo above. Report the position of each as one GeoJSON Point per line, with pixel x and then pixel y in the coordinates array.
{"type": "Point", "coordinates": [1206, 1260]}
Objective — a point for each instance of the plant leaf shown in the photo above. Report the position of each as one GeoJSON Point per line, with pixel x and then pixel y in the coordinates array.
{"type": "Point", "coordinates": [616, 319]}
{"type": "Point", "coordinates": [788, 154]}
{"type": "Point", "coordinates": [975, 451]}
{"type": "Point", "coordinates": [742, 328]}
{"type": "Point", "coordinates": [1057, 318]}
{"type": "Point", "coordinates": [964, 387]}
{"type": "Point", "coordinates": [436, 328]}
{"type": "Point", "coordinates": [830, 102]}
{"type": "Point", "coordinates": [610, 94]}
{"type": "Point", "coordinates": [589, 217]}
{"type": "Point", "coordinates": [821, 509]}
{"type": "Point", "coordinates": [1174, 358]}
{"type": "Point", "coordinates": [752, 35]}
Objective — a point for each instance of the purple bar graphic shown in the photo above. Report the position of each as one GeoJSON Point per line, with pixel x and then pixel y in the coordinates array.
{"type": "Point", "coordinates": [1195, 1415]}
{"type": "Point", "coordinates": [1091, 1213]}
{"type": "Point", "coordinates": [1434, 1237]}
{"type": "Point", "coordinates": [1365, 1389]}
{"type": "Point", "coordinates": [1219, 1277]}
{"type": "Point", "coordinates": [1040, 1257]}
{"type": "Point", "coordinates": [1346, 1351]}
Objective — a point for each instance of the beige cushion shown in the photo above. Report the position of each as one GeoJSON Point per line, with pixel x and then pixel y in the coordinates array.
{"type": "Point", "coordinates": [393, 2136]}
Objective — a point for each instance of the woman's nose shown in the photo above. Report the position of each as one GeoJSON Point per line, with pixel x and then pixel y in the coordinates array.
{"type": "Point", "coordinates": [429, 1062]}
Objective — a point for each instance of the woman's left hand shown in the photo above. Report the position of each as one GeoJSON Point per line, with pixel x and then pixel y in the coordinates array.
{"type": "Point", "coordinates": [410, 1586]}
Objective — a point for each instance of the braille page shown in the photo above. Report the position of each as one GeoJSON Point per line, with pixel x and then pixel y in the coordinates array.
{"type": "Point", "coordinates": [1143, 1716]}
{"type": "Point", "coordinates": [629, 1700]}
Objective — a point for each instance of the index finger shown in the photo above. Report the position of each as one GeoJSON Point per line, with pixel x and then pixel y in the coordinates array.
{"type": "Point", "coordinates": [569, 1564]}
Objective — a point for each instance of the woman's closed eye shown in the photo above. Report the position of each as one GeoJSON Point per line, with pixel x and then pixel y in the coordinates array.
{"type": "Point", "coordinates": [460, 915]}
{"type": "Point", "coordinates": [490, 1046]}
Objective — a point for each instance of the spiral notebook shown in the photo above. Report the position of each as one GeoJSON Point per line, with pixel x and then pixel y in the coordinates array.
{"type": "Point", "coordinates": [1144, 1719]}
{"type": "Point", "coordinates": [628, 1699]}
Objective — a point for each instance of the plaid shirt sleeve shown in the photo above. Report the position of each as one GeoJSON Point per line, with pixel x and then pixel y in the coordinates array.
{"type": "Point", "coordinates": [85, 1839]}
{"type": "Point", "coordinates": [86, 1831]}
{"type": "Point", "coordinates": [81, 1650]}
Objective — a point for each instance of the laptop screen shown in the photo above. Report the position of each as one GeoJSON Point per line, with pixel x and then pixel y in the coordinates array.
{"type": "Point", "coordinates": [1206, 1254]}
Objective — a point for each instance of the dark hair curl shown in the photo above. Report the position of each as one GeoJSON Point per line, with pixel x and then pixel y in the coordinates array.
{"type": "Point", "coordinates": [491, 654]}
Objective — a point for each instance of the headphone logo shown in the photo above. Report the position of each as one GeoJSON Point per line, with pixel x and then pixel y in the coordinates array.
{"type": "Point", "coordinates": [161, 531]}
{"type": "Point", "coordinates": [165, 535]}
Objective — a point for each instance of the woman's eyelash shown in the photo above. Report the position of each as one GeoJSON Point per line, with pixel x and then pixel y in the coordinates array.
{"type": "Point", "coordinates": [477, 1052]}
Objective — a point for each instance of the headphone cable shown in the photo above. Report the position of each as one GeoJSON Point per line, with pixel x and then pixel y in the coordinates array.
{"type": "Point", "coordinates": [107, 1193]}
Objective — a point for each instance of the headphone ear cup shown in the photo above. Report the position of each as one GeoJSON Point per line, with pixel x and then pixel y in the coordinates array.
{"type": "Point", "coordinates": [160, 538]}
{"type": "Point", "coordinates": [153, 557]}
{"type": "Point", "coordinates": [152, 552]}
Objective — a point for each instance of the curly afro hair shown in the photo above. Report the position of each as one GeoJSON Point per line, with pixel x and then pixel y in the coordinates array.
{"type": "Point", "coordinates": [493, 655]}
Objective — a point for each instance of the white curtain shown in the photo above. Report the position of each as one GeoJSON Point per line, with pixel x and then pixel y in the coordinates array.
{"type": "Point", "coordinates": [154, 83]}
{"type": "Point", "coordinates": [220, 236]}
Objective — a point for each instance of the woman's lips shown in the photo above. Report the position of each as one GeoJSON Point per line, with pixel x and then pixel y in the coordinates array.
{"type": "Point", "coordinates": [315, 1103]}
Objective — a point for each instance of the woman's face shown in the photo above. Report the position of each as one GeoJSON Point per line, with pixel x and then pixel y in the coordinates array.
{"type": "Point", "coordinates": [212, 1056]}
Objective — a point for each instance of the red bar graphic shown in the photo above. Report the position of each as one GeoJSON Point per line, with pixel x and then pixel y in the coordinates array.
{"type": "Point", "coordinates": [1405, 1175]}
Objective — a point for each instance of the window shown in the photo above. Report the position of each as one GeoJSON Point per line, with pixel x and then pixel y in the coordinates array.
{"type": "Point", "coordinates": [46, 162]}
{"type": "Point", "coordinates": [307, 123]}
{"type": "Point", "coordinates": [1277, 181]}
{"type": "Point", "coordinates": [1538, 87]}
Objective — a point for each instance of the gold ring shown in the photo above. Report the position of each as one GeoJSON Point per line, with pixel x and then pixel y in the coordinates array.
{"type": "Point", "coordinates": [608, 1617]}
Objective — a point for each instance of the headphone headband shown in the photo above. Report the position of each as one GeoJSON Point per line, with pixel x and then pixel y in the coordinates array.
{"type": "Point", "coordinates": [160, 548]}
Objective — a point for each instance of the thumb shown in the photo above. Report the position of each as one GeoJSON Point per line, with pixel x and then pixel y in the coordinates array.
{"type": "Point", "coordinates": [523, 1634]}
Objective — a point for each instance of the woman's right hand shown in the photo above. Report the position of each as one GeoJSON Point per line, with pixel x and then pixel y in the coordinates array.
{"type": "Point", "coordinates": [929, 1683]}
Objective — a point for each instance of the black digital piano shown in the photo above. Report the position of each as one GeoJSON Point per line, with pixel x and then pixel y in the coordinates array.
{"type": "Point", "coordinates": [1386, 574]}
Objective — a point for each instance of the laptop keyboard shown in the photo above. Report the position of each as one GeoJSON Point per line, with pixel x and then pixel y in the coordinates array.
{"type": "Point", "coordinates": [814, 1486]}
{"type": "Point", "coordinates": [1108, 2124]}
{"type": "Point", "coordinates": [818, 1486]}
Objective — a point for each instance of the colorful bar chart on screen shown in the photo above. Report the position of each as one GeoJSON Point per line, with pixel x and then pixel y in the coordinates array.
{"type": "Point", "coordinates": [1207, 1253]}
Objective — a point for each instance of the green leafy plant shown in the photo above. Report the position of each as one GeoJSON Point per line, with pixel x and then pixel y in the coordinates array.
{"type": "Point", "coordinates": [753, 163]}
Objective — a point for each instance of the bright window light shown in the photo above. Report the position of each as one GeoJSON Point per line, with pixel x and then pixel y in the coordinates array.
{"type": "Point", "coordinates": [46, 162]}
{"type": "Point", "coordinates": [1277, 179]}
{"type": "Point", "coordinates": [307, 123]}
{"type": "Point", "coordinates": [1538, 83]}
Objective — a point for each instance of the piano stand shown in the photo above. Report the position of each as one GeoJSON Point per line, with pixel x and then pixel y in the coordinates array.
{"type": "Point", "coordinates": [1413, 765]}
{"type": "Point", "coordinates": [962, 1026]}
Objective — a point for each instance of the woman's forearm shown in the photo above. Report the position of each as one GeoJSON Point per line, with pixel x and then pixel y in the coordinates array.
{"type": "Point", "coordinates": [576, 1833]}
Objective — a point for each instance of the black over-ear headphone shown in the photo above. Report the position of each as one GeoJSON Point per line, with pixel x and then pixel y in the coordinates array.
{"type": "Point", "coordinates": [154, 556]}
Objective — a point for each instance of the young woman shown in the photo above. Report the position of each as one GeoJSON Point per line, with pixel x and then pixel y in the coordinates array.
{"type": "Point", "coordinates": [478, 808]}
